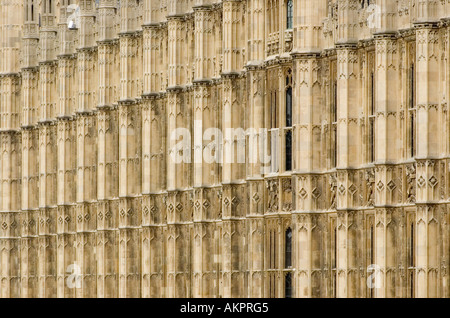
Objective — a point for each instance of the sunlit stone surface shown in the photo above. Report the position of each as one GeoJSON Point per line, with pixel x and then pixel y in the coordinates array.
{"type": "Point", "coordinates": [344, 193]}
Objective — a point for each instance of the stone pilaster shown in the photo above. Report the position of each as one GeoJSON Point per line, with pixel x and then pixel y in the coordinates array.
{"type": "Point", "coordinates": [130, 153]}
{"type": "Point", "coordinates": [427, 147]}
{"type": "Point", "coordinates": [308, 25]}
{"type": "Point", "coordinates": [86, 134]}
{"type": "Point", "coordinates": [256, 36]}
{"type": "Point", "coordinates": [47, 207]}
{"type": "Point", "coordinates": [302, 250]}
{"type": "Point", "coordinates": [66, 198]}
{"type": "Point", "coordinates": [130, 165]}
{"type": "Point", "coordinates": [29, 207]}
{"type": "Point", "coordinates": [206, 153]}
{"type": "Point", "coordinates": [10, 142]}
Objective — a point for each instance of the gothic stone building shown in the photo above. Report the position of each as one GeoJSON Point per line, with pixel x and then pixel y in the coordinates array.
{"type": "Point", "coordinates": [351, 95]}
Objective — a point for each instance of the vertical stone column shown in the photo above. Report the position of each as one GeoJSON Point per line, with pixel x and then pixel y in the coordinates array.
{"type": "Point", "coordinates": [179, 159]}
{"type": "Point", "coordinates": [129, 202]}
{"type": "Point", "coordinates": [306, 128]}
{"type": "Point", "coordinates": [130, 150]}
{"type": "Point", "coordinates": [386, 154]}
{"type": "Point", "coordinates": [153, 183]}
{"type": "Point", "coordinates": [66, 198]}
{"type": "Point", "coordinates": [306, 119]}
{"type": "Point", "coordinates": [30, 147]}
{"type": "Point", "coordinates": [107, 153]}
{"type": "Point", "coordinates": [10, 144]}
{"type": "Point", "coordinates": [29, 207]}
{"type": "Point", "coordinates": [86, 153]}
{"type": "Point", "coordinates": [47, 154]}
{"type": "Point", "coordinates": [10, 164]}
{"type": "Point", "coordinates": [445, 148]}
{"type": "Point", "coordinates": [307, 25]}
{"type": "Point", "coordinates": [347, 147]}
{"type": "Point", "coordinates": [427, 220]}
{"type": "Point", "coordinates": [153, 116]}
{"type": "Point", "coordinates": [257, 153]}
{"type": "Point", "coordinates": [107, 194]}
{"type": "Point", "coordinates": [10, 218]}
{"type": "Point", "coordinates": [255, 54]}
{"type": "Point", "coordinates": [233, 165]}
{"type": "Point", "coordinates": [66, 160]}
{"type": "Point", "coordinates": [177, 116]}
{"type": "Point", "coordinates": [153, 155]}
{"type": "Point", "coordinates": [130, 159]}
{"type": "Point", "coordinates": [206, 152]}
{"type": "Point", "coordinates": [348, 150]}
{"type": "Point", "coordinates": [306, 154]}
{"type": "Point", "coordinates": [256, 189]}
{"type": "Point", "coordinates": [256, 31]}
{"type": "Point", "coordinates": [302, 248]}
{"type": "Point", "coordinates": [233, 172]}
{"type": "Point", "coordinates": [47, 208]}
{"type": "Point", "coordinates": [86, 132]}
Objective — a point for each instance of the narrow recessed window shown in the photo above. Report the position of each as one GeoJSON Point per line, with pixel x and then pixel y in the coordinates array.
{"type": "Point", "coordinates": [411, 279]}
{"type": "Point", "coordinates": [288, 115]}
{"type": "Point", "coordinates": [411, 247]}
{"type": "Point", "coordinates": [272, 250]}
{"type": "Point", "coordinates": [274, 131]}
{"type": "Point", "coordinates": [371, 140]}
{"type": "Point", "coordinates": [371, 245]}
{"type": "Point", "coordinates": [288, 249]}
{"type": "Point", "coordinates": [372, 119]}
{"type": "Point", "coordinates": [372, 94]}
{"type": "Point", "coordinates": [289, 150]}
{"type": "Point", "coordinates": [288, 286]}
{"type": "Point", "coordinates": [412, 263]}
{"type": "Point", "coordinates": [273, 110]}
{"type": "Point", "coordinates": [371, 255]}
{"type": "Point", "coordinates": [411, 86]}
{"type": "Point", "coordinates": [335, 101]}
{"type": "Point", "coordinates": [290, 14]}
{"type": "Point", "coordinates": [413, 134]}
{"type": "Point", "coordinates": [334, 125]}
{"type": "Point", "coordinates": [334, 263]}
{"type": "Point", "coordinates": [289, 107]}
{"type": "Point", "coordinates": [412, 116]}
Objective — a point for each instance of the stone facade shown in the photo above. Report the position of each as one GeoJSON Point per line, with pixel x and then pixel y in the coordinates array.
{"type": "Point", "coordinates": [352, 94]}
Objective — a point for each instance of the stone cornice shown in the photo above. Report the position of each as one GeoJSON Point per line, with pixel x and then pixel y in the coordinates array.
{"type": "Point", "coordinates": [12, 74]}
{"type": "Point", "coordinates": [66, 56]}
{"type": "Point", "coordinates": [87, 49]}
{"type": "Point", "coordinates": [346, 45]}
{"type": "Point", "coordinates": [202, 82]}
{"type": "Point", "coordinates": [127, 102]}
{"type": "Point", "coordinates": [107, 42]}
{"type": "Point", "coordinates": [426, 24]}
{"type": "Point", "coordinates": [230, 75]}
{"type": "Point", "coordinates": [306, 55]}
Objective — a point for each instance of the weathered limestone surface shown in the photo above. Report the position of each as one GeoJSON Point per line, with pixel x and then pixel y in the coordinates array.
{"type": "Point", "coordinates": [355, 170]}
